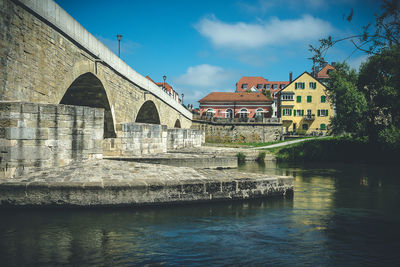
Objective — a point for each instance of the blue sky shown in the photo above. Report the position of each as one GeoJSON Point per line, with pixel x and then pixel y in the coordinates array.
{"type": "Point", "coordinates": [204, 46]}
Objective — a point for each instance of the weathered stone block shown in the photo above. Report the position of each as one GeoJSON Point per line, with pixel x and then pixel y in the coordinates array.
{"type": "Point", "coordinates": [20, 133]}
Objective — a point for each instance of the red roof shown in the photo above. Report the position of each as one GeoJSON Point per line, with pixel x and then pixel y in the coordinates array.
{"type": "Point", "coordinates": [148, 78]}
{"type": "Point", "coordinates": [254, 81]}
{"type": "Point", "coordinates": [324, 73]}
{"type": "Point", "coordinates": [166, 86]}
{"type": "Point", "coordinates": [235, 97]}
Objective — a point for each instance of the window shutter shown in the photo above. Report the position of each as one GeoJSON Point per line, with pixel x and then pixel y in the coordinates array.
{"type": "Point", "coordinates": [298, 99]}
{"type": "Point", "coordinates": [294, 113]}
{"type": "Point", "coordinates": [304, 85]}
{"type": "Point", "coordinates": [283, 113]}
{"type": "Point", "coordinates": [295, 85]}
{"type": "Point", "coordinates": [319, 112]}
{"type": "Point", "coordinates": [290, 112]}
{"type": "Point", "coordinates": [326, 112]}
{"type": "Point", "coordinates": [302, 112]}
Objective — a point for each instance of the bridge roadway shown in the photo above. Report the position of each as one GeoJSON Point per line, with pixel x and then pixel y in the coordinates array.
{"type": "Point", "coordinates": [46, 56]}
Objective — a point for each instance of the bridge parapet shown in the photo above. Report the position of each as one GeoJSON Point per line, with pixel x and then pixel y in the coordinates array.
{"type": "Point", "coordinates": [55, 15]}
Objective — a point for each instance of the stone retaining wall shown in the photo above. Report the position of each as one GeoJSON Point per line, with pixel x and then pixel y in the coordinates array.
{"type": "Point", "coordinates": [135, 139]}
{"type": "Point", "coordinates": [239, 132]}
{"type": "Point", "coordinates": [181, 138]}
{"type": "Point", "coordinates": [36, 136]}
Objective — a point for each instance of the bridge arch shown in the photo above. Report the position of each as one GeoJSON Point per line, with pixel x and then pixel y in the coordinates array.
{"type": "Point", "coordinates": [88, 90]}
{"type": "Point", "coordinates": [148, 113]}
{"type": "Point", "coordinates": [177, 124]}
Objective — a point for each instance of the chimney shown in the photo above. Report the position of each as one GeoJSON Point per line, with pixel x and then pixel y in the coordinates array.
{"type": "Point", "coordinates": [290, 77]}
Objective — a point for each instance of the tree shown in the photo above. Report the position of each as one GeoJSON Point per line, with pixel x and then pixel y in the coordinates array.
{"type": "Point", "coordinates": [351, 104]}
{"type": "Point", "coordinates": [371, 41]}
{"type": "Point", "coordinates": [368, 103]}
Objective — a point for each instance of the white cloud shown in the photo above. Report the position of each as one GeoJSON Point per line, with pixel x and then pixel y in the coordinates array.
{"type": "Point", "coordinates": [203, 76]}
{"type": "Point", "coordinates": [243, 35]}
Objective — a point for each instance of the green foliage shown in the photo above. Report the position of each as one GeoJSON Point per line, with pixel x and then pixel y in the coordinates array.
{"type": "Point", "coordinates": [368, 104]}
{"type": "Point", "coordinates": [266, 93]}
{"type": "Point", "coordinates": [337, 149]}
{"type": "Point", "coordinates": [248, 91]}
{"type": "Point", "coordinates": [351, 104]}
{"type": "Point", "coordinates": [241, 157]}
{"type": "Point", "coordinates": [389, 137]}
{"type": "Point", "coordinates": [261, 156]}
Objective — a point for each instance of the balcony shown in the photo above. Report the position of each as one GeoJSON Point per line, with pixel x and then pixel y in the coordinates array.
{"type": "Point", "coordinates": [309, 117]}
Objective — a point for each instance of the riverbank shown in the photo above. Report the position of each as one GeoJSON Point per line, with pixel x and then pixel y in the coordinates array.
{"type": "Point", "coordinates": [336, 149]}
{"type": "Point", "coordinates": [122, 183]}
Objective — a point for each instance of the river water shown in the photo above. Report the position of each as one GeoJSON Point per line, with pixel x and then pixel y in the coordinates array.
{"type": "Point", "coordinates": [342, 215]}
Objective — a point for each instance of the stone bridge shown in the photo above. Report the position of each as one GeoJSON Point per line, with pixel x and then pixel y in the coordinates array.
{"type": "Point", "coordinates": [46, 56]}
{"type": "Point", "coordinates": [64, 96]}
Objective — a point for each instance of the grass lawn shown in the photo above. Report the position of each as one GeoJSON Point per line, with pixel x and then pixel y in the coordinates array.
{"type": "Point", "coordinates": [255, 144]}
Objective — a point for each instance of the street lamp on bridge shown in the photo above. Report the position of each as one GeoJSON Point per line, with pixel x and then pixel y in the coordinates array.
{"type": "Point", "coordinates": [164, 78]}
{"type": "Point", "coordinates": [119, 37]}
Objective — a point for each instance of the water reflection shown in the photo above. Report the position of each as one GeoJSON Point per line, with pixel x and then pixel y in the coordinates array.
{"type": "Point", "coordinates": [339, 215]}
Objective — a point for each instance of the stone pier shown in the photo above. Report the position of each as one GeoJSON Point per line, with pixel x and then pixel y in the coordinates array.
{"type": "Point", "coordinates": [121, 183]}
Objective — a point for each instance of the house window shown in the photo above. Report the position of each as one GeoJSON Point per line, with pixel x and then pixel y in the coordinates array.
{"type": "Point", "coordinates": [210, 112]}
{"type": "Point", "coordinates": [259, 86]}
{"type": "Point", "coordinates": [259, 113]}
{"type": "Point", "coordinates": [298, 112]}
{"type": "Point", "coordinates": [304, 126]}
{"type": "Point", "coordinates": [274, 86]}
{"type": "Point", "coordinates": [322, 126]}
{"type": "Point", "coordinates": [281, 86]}
{"type": "Point", "coordinates": [286, 112]}
{"type": "Point", "coordinates": [309, 99]}
{"type": "Point", "coordinates": [299, 85]}
{"type": "Point", "coordinates": [229, 113]}
{"type": "Point", "coordinates": [244, 113]}
{"type": "Point", "coordinates": [322, 112]}
{"type": "Point", "coordinates": [312, 85]}
{"type": "Point", "coordinates": [287, 97]}
{"type": "Point", "coordinates": [245, 86]}
{"type": "Point", "coordinates": [309, 112]}
{"type": "Point", "coordinates": [323, 99]}
{"type": "Point", "coordinates": [298, 99]}
{"type": "Point", "coordinates": [267, 86]}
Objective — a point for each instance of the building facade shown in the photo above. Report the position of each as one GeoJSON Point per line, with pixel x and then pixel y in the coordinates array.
{"type": "Point", "coordinates": [304, 106]}
{"type": "Point", "coordinates": [260, 84]}
{"type": "Point", "coordinates": [236, 105]}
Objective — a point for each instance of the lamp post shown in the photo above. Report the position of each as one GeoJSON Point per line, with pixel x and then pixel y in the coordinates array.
{"type": "Point", "coordinates": [119, 37]}
{"type": "Point", "coordinates": [164, 78]}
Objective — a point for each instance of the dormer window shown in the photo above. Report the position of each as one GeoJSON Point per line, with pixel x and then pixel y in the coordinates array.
{"type": "Point", "coordinates": [267, 86]}
{"type": "Point", "coordinates": [274, 86]}
{"type": "Point", "coordinates": [245, 86]}
{"type": "Point", "coordinates": [281, 86]}
{"type": "Point", "coordinates": [259, 86]}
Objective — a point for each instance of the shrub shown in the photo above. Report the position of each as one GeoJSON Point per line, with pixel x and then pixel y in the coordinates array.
{"type": "Point", "coordinates": [241, 157]}
{"type": "Point", "coordinates": [261, 156]}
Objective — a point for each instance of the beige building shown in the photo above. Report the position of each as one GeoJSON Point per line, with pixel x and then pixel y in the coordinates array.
{"type": "Point", "coordinates": [304, 106]}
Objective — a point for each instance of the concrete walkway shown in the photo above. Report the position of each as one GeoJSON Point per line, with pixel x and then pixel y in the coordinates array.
{"type": "Point", "coordinates": [287, 143]}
